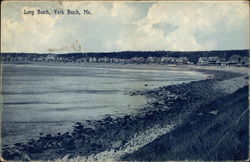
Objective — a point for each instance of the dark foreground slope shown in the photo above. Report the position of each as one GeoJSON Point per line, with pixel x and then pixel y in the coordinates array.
{"type": "Point", "coordinates": [217, 131]}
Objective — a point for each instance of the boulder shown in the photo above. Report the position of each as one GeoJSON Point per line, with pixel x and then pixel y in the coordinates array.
{"type": "Point", "coordinates": [117, 144]}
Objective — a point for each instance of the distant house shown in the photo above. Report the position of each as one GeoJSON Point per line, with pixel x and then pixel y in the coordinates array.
{"type": "Point", "coordinates": [235, 60]}
{"type": "Point", "coordinates": [49, 58]}
{"type": "Point", "coordinates": [134, 60]}
{"type": "Point", "coordinates": [214, 60]}
{"type": "Point", "coordinates": [79, 60]}
{"type": "Point", "coordinates": [172, 60]}
{"type": "Point", "coordinates": [113, 60]}
{"type": "Point", "coordinates": [168, 60]}
{"type": "Point", "coordinates": [150, 60]}
{"type": "Point", "coordinates": [182, 60]}
{"type": "Point", "coordinates": [141, 60]}
{"type": "Point", "coordinates": [164, 60]}
{"type": "Point", "coordinates": [122, 61]}
{"type": "Point", "coordinates": [92, 59]}
{"type": "Point", "coordinates": [203, 61]}
{"type": "Point", "coordinates": [106, 59]}
{"type": "Point", "coordinates": [39, 59]}
{"type": "Point", "coordinates": [245, 61]}
{"type": "Point", "coordinates": [128, 61]}
{"type": "Point", "coordinates": [222, 61]}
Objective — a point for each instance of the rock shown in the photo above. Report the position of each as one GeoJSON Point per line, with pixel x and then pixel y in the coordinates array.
{"type": "Point", "coordinates": [108, 118]}
{"type": "Point", "coordinates": [31, 142]}
{"type": "Point", "coordinates": [18, 155]}
{"type": "Point", "coordinates": [95, 147]}
{"type": "Point", "coordinates": [127, 117]}
{"type": "Point", "coordinates": [66, 157]}
{"type": "Point", "coordinates": [74, 134]}
{"type": "Point", "coordinates": [117, 144]}
{"type": "Point", "coordinates": [33, 150]}
{"type": "Point", "coordinates": [214, 112]}
{"type": "Point", "coordinates": [78, 123]}
{"type": "Point", "coordinates": [89, 131]}
{"type": "Point", "coordinates": [17, 144]}
{"type": "Point", "coordinates": [39, 144]}
{"type": "Point", "coordinates": [71, 142]}
{"type": "Point", "coordinates": [78, 128]}
{"type": "Point", "coordinates": [9, 154]}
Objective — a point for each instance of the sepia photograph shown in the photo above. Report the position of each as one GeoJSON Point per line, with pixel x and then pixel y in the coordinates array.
{"type": "Point", "coordinates": [124, 81]}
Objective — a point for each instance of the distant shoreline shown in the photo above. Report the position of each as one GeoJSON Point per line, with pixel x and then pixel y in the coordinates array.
{"type": "Point", "coordinates": [220, 58]}
{"type": "Point", "coordinates": [243, 70]}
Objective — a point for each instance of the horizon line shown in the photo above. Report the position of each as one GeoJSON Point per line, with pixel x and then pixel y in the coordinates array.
{"type": "Point", "coordinates": [126, 51]}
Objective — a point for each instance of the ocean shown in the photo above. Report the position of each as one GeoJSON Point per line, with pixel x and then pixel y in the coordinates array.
{"type": "Point", "coordinates": [50, 98]}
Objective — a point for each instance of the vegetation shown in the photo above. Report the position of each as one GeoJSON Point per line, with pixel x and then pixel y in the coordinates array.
{"type": "Point", "coordinates": [216, 131]}
{"type": "Point", "coordinates": [192, 56]}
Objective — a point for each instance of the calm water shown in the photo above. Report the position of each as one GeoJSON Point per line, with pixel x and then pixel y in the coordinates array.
{"type": "Point", "coordinates": [49, 99]}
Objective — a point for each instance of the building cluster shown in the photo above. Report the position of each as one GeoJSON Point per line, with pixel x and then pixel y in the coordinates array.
{"type": "Point", "coordinates": [214, 60]}
{"type": "Point", "coordinates": [137, 60]}
{"type": "Point", "coordinates": [133, 60]}
{"type": "Point", "coordinates": [233, 60]}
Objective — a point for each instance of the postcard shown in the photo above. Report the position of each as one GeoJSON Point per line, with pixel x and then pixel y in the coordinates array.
{"type": "Point", "coordinates": [124, 80]}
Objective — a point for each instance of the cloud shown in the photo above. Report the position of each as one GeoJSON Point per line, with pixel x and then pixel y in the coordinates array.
{"type": "Point", "coordinates": [27, 34]}
{"type": "Point", "coordinates": [117, 26]}
{"type": "Point", "coordinates": [192, 24]}
{"type": "Point", "coordinates": [41, 33]}
{"type": "Point", "coordinates": [122, 10]}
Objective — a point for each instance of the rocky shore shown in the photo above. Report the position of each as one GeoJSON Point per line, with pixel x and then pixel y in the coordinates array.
{"type": "Point", "coordinates": [113, 138]}
{"type": "Point", "coordinates": [216, 131]}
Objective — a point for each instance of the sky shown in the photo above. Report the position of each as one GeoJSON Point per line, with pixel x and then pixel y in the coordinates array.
{"type": "Point", "coordinates": [125, 26]}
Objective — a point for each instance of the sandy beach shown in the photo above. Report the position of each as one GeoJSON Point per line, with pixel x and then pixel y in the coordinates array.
{"type": "Point", "coordinates": [167, 113]}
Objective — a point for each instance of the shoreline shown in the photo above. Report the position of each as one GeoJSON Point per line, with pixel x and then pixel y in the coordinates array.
{"type": "Point", "coordinates": [238, 69]}
{"type": "Point", "coordinates": [216, 131]}
{"type": "Point", "coordinates": [108, 138]}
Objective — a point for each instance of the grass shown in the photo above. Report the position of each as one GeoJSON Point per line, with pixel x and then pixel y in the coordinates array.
{"type": "Point", "coordinates": [205, 136]}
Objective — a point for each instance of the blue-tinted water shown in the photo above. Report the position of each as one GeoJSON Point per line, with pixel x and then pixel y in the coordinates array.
{"type": "Point", "coordinates": [49, 99]}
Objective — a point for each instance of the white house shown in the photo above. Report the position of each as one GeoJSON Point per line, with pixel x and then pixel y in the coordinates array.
{"type": "Point", "coordinates": [203, 61]}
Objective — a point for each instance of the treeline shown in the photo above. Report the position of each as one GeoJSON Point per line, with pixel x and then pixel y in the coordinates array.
{"type": "Point", "coordinates": [193, 56]}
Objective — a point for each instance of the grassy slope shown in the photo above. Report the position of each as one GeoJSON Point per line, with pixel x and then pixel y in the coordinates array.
{"type": "Point", "coordinates": [206, 136]}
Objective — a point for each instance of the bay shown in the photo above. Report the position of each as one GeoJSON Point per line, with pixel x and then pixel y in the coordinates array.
{"type": "Point", "coordinates": [50, 98]}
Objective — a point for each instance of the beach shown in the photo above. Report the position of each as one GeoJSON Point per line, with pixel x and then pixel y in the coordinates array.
{"type": "Point", "coordinates": [167, 116]}
{"type": "Point", "coordinates": [124, 81]}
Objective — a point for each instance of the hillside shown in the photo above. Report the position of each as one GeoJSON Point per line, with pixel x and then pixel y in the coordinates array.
{"type": "Point", "coordinates": [217, 131]}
